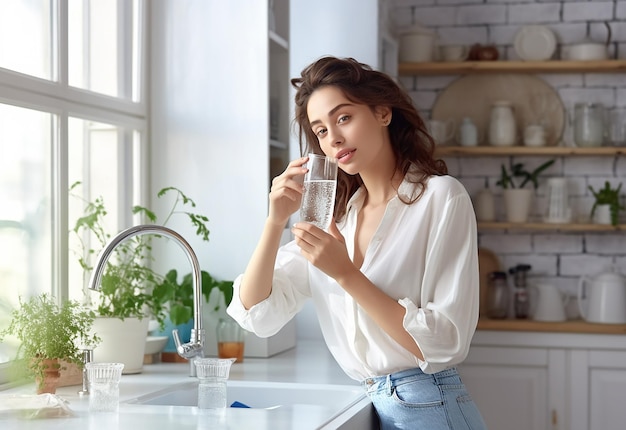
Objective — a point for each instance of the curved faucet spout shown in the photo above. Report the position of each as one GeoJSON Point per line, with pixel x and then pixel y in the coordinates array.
{"type": "Point", "coordinates": [195, 347]}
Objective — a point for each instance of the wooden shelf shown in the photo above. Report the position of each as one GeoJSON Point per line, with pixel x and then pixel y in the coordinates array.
{"type": "Point", "coordinates": [474, 67]}
{"type": "Point", "coordinates": [572, 326]}
{"type": "Point", "coordinates": [478, 151]}
{"type": "Point", "coordinates": [545, 226]}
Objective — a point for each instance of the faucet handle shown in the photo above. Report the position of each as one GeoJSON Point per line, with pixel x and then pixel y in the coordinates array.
{"type": "Point", "coordinates": [187, 350]}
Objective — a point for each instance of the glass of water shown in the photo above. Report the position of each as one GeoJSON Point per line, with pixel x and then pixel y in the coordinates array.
{"type": "Point", "coordinates": [212, 376]}
{"type": "Point", "coordinates": [320, 186]}
{"type": "Point", "coordinates": [104, 391]}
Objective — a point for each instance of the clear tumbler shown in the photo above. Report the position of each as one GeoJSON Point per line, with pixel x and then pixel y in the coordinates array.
{"type": "Point", "coordinates": [212, 375]}
{"type": "Point", "coordinates": [104, 391]}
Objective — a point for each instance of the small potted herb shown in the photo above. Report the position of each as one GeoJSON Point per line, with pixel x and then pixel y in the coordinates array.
{"type": "Point", "coordinates": [518, 198]}
{"type": "Point", "coordinates": [606, 207]}
{"type": "Point", "coordinates": [50, 335]}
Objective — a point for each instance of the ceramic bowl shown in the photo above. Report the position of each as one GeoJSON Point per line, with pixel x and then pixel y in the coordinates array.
{"type": "Point", "coordinates": [586, 52]}
{"type": "Point", "coordinates": [155, 344]}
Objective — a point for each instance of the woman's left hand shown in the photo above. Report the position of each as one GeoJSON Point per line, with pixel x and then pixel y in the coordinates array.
{"type": "Point", "coordinates": [326, 251]}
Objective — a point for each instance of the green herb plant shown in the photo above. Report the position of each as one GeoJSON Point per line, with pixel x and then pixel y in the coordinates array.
{"type": "Point", "coordinates": [130, 287]}
{"type": "Point", "coordinates": [49, 331]}
{"type": "Point", "coordinates": [607, 196]}
{"type": "Point", "coordinates": [518, 177]}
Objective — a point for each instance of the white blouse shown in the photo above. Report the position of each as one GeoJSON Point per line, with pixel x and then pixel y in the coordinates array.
{"type": "Point", "coordinates": [423, 255]}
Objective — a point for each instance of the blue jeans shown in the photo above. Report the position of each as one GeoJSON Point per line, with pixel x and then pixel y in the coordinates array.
{"type": "Point", "coordinates": [412, 399]}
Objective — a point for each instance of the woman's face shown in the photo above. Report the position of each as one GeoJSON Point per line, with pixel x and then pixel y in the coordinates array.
{"type": "Point", "coordinates": [352, 133]}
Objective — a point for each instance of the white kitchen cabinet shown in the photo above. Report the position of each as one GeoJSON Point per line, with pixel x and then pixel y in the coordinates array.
{"type": "Point", "coordinates": [509, 386]}
{"type": "Point", "coordinates": [602, 376]}
{"type": "Point", "coordinates": [551, 381]}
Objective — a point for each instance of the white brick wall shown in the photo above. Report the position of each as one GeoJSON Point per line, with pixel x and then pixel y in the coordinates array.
{"type": "Point", "coordinates": [560, 258]}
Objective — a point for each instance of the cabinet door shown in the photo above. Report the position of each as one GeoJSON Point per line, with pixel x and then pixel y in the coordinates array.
{"type": "Point", "coordinates": [607, 386]}
{"type": "Point", "coordinates": [509, 386]}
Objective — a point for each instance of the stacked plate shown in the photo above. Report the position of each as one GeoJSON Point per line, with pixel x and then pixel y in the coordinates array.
{"type": "Point", "coordinates": [534, 43]}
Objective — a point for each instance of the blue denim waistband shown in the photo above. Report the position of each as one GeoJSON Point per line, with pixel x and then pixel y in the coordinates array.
{"type": "Point", "coordinates": [415, 374]}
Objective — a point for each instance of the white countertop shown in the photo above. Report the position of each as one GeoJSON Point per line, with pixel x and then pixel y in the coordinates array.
{"type": "Point", "coordinates": [307, 363]}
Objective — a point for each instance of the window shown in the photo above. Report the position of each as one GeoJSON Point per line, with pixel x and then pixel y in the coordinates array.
{"type": "Point", "coordinates": [71, 110]}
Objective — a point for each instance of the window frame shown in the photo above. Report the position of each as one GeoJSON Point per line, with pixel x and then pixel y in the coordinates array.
{"type": "Point", "coordinates": [57, 97]}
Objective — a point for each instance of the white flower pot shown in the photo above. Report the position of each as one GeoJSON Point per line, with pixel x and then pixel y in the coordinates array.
{"type": "Point", "coordinates": [518, 203]}
{"type": "Point", "coordinates": [122, 342]}
{"type": "Point", "coordinates": [602, 214]}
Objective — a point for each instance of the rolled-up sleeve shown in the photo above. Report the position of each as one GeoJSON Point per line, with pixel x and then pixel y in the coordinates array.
{"type": "Point", "coordinates": [290, 290]}
{"type": "Point", "coordinates": [443, 325]}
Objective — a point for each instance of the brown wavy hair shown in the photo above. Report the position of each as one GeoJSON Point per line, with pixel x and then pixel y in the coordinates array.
{"type": "Point", "coordinates": [412, 145]}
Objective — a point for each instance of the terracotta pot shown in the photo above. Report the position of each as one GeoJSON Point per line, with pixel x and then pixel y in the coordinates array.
{"type": "Point", "coordinates": [51, 377]}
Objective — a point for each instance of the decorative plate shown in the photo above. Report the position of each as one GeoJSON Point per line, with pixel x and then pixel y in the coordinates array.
{"type": "Point", "coordinates": [535, 43]}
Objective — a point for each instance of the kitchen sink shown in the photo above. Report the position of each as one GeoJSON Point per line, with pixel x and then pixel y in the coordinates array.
{"type": "Point", "coordinates": [265, 395]}
{"type": "Point", "coordinates": [326, 406]}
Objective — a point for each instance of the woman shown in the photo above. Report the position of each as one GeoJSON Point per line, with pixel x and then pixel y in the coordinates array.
{"type": "Point", "coordinates": [395, 279]}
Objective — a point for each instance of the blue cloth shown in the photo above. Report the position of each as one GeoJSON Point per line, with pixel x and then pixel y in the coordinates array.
{"type": "Point", "coordinates": [412, 399]}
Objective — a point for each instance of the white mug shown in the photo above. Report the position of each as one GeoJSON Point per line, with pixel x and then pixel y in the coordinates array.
{"type": "Point", "coordinates": [454, 52]}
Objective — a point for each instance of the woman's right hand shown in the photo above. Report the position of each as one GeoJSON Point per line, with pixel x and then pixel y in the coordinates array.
{"type": "Point", "coordinates": [286, 192]}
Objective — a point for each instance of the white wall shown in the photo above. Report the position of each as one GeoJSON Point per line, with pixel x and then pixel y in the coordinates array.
{"type": "Point", "coordinates": [208, 122]}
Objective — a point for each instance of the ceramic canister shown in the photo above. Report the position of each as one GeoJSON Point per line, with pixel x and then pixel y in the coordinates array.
{"type": "Point", "coordinates": [502, 126]}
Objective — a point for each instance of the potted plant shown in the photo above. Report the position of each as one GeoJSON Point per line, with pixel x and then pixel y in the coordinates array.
{"type": "Point", "coordinates": [175, 300]}
{"type": "Point", "coordinates": [127, 298]}
{"type": "Point", "coordinates": [50, 335]}
{"type": "Point", "coordinates": [606, 207]}
{"type": "Point", "coordinates": [517, 198]}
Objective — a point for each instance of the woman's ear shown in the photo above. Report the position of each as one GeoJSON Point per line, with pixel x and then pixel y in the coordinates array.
{"type": "Point", "coordinates": [384, 115]}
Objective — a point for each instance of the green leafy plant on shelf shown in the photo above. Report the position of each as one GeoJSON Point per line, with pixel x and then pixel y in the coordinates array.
{"type": "Point", "coordinates": [519, 177]}
{"type": "Point", "coordinates": [130, 286]}
{"type": "Point", "coordinates": [607, 196]}
{"type": "Point", "coordinates": [49, 335]}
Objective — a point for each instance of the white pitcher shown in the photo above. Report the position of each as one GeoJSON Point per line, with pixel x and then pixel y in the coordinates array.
{"type": "Point", "coordinates": [550, 304]}
{"type": "Point", "coordinates": [604, 298]}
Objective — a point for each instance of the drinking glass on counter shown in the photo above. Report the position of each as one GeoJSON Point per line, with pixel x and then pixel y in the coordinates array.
{"type": "Point", "coordinates": [230, 339]}
{"type": "Point", "coordinates": [212, 376]}
{"type": "Point", "coordinates": [104, 391]}
{"type": "Point", "coordinates": [320, 186]}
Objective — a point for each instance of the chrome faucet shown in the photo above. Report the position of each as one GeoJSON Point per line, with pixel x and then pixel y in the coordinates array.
{"type": "Point", "coordinates": [195, 347]}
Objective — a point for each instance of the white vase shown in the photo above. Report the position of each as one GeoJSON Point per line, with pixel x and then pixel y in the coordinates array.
{"type": "Point", "coordinates": [121, 342]}
{"type": "Point", "coordinates": [517, 203]}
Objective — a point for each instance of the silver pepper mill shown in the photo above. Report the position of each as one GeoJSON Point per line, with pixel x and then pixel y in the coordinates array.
{"type": "Point", "coordinates": [87, 358]}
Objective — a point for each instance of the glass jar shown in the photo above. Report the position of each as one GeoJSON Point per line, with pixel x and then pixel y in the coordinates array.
{"type": "Point", "coordinates": [230, 339]}
{"type": "Point", "coordinates": [497, 295]}
{"type": "Point", "coordinates": [588, 124]}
